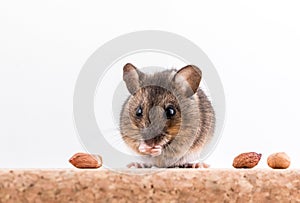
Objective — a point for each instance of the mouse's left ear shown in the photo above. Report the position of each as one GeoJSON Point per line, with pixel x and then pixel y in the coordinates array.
{"type": "Point", "coordinates": [132, 77]}
{"type": "Point", "coordinates": [188, 79]}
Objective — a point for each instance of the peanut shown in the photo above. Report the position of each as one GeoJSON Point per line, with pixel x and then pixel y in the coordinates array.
{"type": "Point", "coordinates": [246, 160]}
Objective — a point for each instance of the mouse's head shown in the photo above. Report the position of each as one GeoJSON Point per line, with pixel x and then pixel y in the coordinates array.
{"type": "Point", "coordinates": [154, 111]}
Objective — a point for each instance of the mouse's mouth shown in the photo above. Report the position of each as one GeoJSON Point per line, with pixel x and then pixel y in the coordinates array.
{"type": "Point", "coordinates": [159, 140]}
{"type": "Point", "coordinates": [154, 146]}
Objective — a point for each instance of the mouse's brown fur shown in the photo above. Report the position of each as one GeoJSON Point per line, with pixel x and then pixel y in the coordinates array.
{"type": "Point", "coordinates": [182, 136]}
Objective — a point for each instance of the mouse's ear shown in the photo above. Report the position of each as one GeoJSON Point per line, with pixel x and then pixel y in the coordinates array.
{"type": "Point", "coordinates": [132, 77]}
{"type": "Point", "coordinates": [188, 79]}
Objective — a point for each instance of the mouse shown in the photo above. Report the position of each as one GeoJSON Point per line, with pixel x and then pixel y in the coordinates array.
{"type": "Point", "coordinates": [167, 119]}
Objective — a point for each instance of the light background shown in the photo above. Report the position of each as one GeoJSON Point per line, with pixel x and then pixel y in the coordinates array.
{"type": "Point", "coordinates": [254, 46]}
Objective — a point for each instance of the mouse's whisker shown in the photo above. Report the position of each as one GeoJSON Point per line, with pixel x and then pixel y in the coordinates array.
{"type": "Point", "coordinates": [121, 140]}
{"type": "Point", "coordinates": [170, 149]}
{"type": "Point", "coordinates": [135, 137]}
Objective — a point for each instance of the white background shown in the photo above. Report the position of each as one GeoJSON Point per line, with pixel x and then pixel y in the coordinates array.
{"type": "Point", "coordinates": [254, 45]}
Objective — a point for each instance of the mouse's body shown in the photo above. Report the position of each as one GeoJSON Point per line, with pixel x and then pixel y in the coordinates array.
{"type": "Point", "coordinates": [167, 118]}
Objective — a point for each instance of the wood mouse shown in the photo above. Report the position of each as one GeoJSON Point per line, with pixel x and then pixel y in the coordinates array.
{"type": "Point", "coordinates": [167, 119]}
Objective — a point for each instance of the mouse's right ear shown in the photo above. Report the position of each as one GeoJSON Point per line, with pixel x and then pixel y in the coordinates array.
{"type": "Point", "coordinates": [132, 77]}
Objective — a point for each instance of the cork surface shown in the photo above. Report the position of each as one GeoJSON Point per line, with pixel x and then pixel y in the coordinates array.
{"type": "Point", "coordinates": [171, 185]}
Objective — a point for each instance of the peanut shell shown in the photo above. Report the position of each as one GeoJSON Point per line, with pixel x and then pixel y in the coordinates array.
{"type": "Point", "coordinates": [279, 160]}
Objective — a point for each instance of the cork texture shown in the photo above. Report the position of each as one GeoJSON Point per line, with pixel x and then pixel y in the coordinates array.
{"type": "Point", "coordinates": [170, 185]}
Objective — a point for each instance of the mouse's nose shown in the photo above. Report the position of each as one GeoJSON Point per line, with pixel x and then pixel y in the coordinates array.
{"type": "Point", "coordinates": [156, 123]}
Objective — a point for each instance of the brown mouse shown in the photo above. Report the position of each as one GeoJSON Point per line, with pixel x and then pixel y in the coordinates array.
{"type": "Point", "coordinates": [167, 119]}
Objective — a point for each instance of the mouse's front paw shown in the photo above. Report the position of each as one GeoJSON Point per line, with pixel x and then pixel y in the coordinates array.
{"type": "Point", "coordinates": [139, 165]}
{"type": "Point", "coordinates": [155, 151]}
{"type": "Point", "coordinates": [147, 150]}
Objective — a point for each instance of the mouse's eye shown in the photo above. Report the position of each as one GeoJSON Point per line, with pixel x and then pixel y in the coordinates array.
{"type": "Point", "coordinates": [139, 112]}
{"type": "Point", "coordinates": [170, 112]}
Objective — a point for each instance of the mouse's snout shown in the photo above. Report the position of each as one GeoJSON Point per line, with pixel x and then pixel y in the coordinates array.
{"type": "Point", "coordinates": [156, 116]}
{"type": "Point", "coordinates": [156, 125]}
